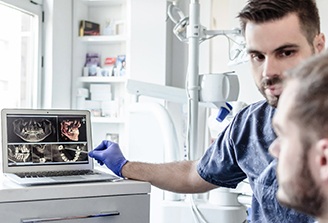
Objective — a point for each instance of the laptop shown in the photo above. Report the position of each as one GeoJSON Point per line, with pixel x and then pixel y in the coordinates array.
{"type": "Point", "coordinates": [42, 146]}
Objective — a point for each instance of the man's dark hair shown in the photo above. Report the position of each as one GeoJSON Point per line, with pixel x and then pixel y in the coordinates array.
{"type": "Point", "coordinates": [261, 11]}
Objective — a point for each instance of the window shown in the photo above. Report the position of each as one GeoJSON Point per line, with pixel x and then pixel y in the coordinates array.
{"type": "Point", "coordinates": [20, 25]}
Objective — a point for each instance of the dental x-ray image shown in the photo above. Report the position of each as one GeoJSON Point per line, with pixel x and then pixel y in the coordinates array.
{"type": "Point", "coordinates": [70, 153]}
{"type": "Point", "coordinates": [45, 153]}
{"type": "Point", "coordinates": [41, 153]}
{"type": "Point", "coordinates": [19, 154]}
{"type": "Point", "coordinates": [30, 129]}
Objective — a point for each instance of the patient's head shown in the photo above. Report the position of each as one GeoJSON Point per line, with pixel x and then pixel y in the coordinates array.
{"type": "Point", "coordinates": [301, 124]}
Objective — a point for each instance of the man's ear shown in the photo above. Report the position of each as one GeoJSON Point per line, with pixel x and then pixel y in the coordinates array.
{"type": "Point", "coordinates": [322, 158]}
{"type": "Point", "coordinates": [319, 42]}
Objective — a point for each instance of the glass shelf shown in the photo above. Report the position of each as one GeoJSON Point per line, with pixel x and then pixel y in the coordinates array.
{"type": "Point", "coordinates": [102, 79]}
{"type": "Point", "coordinates": [103, 2]}
{"type": "Point", "coordinates": [103, 39]}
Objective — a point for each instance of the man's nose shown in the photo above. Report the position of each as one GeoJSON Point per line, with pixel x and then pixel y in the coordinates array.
{"type": "Point", "coordinates": [271, 67]}
{"type": "Point", "coordinates": [274, 149]}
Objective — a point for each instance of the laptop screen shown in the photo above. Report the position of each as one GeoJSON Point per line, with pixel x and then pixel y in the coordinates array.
{"type": "Point", "coordinates": [45, 139]}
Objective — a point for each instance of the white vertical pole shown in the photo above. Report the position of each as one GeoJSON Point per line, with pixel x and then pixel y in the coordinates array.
{"type": "Point", "coordinates": [193, 35]}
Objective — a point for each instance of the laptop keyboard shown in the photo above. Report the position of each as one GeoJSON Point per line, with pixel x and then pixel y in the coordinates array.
{"type": "Point", "coordinates": [55, 173]}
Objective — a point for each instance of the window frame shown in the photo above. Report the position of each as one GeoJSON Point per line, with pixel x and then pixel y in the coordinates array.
{"type": "Point", "coordinates": [33, 7]}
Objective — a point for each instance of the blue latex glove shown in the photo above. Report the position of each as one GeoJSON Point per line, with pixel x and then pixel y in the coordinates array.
{"type": "Point", "coordinates": [109, 153]}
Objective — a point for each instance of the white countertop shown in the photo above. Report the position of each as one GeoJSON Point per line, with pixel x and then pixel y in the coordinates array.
{"type": "Point", "coordinates": [10, 191]}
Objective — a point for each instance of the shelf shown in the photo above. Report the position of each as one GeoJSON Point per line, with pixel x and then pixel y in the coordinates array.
{"type": "Point", "coordinates": [102, 79]}
{"type": "Point", "coordinates": [101, 12]}
{"type": "Point", "coordinates": [103, 2]}
{"type": "Point", "coordinates": [103, 39]}
{"type": "Point", "coordinates": [107, 120]}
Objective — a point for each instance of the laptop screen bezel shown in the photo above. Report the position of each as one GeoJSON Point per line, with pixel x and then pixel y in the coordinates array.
{"type": "Point", "coordinates": [62, 167]}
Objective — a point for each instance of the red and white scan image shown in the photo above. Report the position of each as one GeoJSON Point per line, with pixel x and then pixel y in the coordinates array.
{"type": "Point", "coordinates": [70, 129]}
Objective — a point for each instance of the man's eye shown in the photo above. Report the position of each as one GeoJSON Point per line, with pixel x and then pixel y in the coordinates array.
{"type": "Point", "coordinates": [257, 57]}
{"type": "Point", "coordinates": [287, 53]}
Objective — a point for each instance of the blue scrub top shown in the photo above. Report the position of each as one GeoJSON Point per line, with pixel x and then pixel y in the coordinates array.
{"type": "Point", "coordinates": [241, 151]}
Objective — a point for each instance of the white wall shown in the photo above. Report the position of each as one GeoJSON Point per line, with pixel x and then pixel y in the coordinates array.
{"type": "Point", "coordinates": [323, 7]}
{"type": "Point", "coordinates": [58, 54]}
{"type": "Point", "coordinates": [147, 34]}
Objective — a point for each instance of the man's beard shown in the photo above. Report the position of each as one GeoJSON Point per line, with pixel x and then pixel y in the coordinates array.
{"type": "Point", "coordinates": [266, 83]}
{"type": "Point", "coordinates": [272, 100]}
{"type": "Point", "coordinates": [306, 196]}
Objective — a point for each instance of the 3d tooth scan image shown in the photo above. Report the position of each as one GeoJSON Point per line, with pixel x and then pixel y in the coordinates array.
{"type": "Point", "coordinates": [32, 130]}
{"type": "Point", "coordinates": [72, 129]}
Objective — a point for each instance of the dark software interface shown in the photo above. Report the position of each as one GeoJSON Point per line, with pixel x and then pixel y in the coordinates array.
{"type": "Point", "coordinates": [46, 140]}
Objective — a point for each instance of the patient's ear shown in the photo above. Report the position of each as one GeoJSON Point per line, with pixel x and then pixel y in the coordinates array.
{"type": "Point", "coordinates": [319, 42]}
{"type": "Point", "coordinates": [322, 158]}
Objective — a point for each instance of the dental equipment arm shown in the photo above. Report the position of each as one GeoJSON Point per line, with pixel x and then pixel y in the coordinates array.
{"type": "Point", "coordinates": [189, 30]}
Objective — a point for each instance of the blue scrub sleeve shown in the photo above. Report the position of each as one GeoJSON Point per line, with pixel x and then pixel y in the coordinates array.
{"type": "Point", "coordinates": [219, 165]}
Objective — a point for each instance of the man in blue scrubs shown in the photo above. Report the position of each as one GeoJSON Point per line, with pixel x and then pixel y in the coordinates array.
{"type": "Point", "coordinates": [301, 124]}
{"type": "Point", "coordinates": [279, 35]}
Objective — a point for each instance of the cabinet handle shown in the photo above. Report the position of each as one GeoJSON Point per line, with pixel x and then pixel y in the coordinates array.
{"type": "Point", "coordinates": [100, 215]}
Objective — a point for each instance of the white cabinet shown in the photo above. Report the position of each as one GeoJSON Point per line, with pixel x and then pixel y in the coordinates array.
{"type": "Point", "coordinates": [119, 202]}
{"type": "Point", "coordinates": [97, 87]}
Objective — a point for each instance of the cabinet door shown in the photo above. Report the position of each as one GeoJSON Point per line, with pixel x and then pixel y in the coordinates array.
{"type": "Point", "coordinates": [133, 208]}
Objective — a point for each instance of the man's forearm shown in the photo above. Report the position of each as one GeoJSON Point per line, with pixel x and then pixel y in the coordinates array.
{"type": "Point", "coordinates": [180, 177]}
